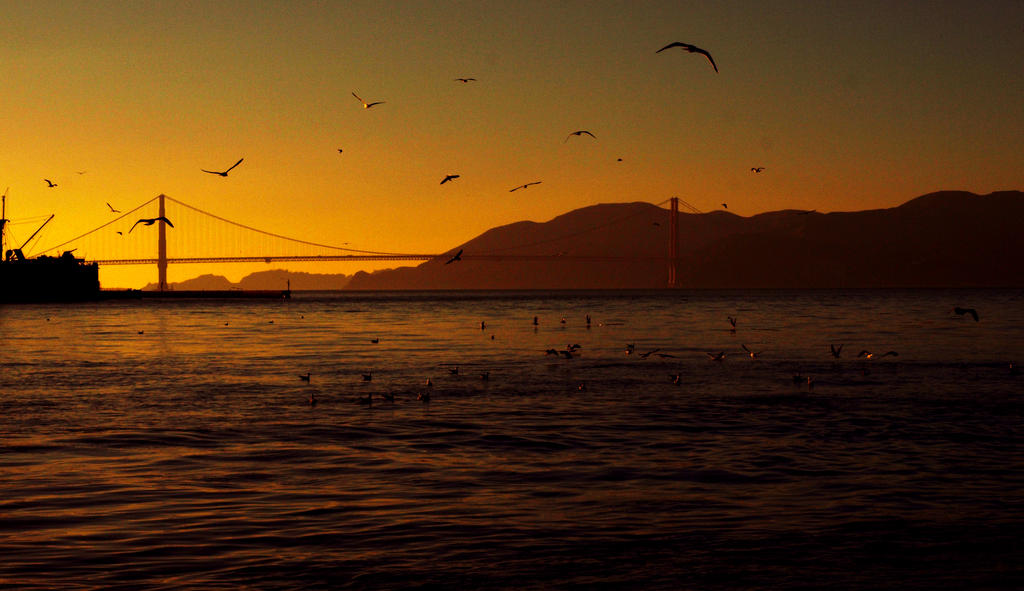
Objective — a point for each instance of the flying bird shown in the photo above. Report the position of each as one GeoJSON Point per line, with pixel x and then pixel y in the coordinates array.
{"type": "Point", "coordinates": [717, 356]}
{"type": "Point", "coordinates": [725, 206]}
{"type": "Point", "coordinates": [753, 354]}
{"type": "Point", "coordinates": [580, 132]}
{"type": "Point", "coordinates": [732, 321]}
{"type": "Point", "coordinates": [524, 186]}
{"type": "Point", "coordinates": [464, 80]}
{"type": "Point", "coordinates": [449, 177]}
{"type": "Point", "coordinates": [757, 168]}
{"type": "Point", "coordinates": [836, 351]}
{"type": "Point", "coordinates": [970, 311]}
{"type": "Point", "coordinates": [50, 183]}
{"type": "Point", "coordinates": [691, 49]}
{"type": "Point", "coordinates": [367, 105]}
{"type": "Point", "coordinates": [112, 210]}
{"type": "Point", "coordinates": [225, 173]}
{"type": "Point", "coordinates": [457, 257]}
{"type": "Point", "coordinates": [81, 171]}
{"type": "Point", "coordinates": [150, 222]}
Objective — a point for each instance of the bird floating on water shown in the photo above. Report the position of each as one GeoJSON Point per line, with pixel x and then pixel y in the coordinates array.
{"type": "Point", "coordinates": [969, 311]}
{"type": "Point", "coordinates": [150, 222]}
{"type": "Point", "coordinates": [367, 105]}
{"type": "Point", "coordinates": [305, 378]}
{"type": "Point", "coordinates": [225, 173]}
{"type": "Point", "coordinates": [524, 186]}
{"type": "Point", "coordinates": [869, 355]}
{"type": "Point", "coordinates": [691, 49]}
{"type": "Point", "coordinates": [580, 133]}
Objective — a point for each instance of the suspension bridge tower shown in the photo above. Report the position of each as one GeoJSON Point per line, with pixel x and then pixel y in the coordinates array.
{"type": "Point", "coordinates": [161, 248]}
{"type": "Point", "coordinates": [673, 242]}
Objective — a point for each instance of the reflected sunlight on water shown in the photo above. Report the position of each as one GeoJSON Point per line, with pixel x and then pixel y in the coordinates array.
{"type": "Point", "coordinates": [171, 444]}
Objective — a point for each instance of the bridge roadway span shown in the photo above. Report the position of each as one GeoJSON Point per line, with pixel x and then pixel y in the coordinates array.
{"type": "Point", "coordinates": [379, 257]}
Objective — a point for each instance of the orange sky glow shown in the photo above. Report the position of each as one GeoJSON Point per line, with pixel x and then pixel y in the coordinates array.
{"type": "Point", "coordinates": [847, 106]}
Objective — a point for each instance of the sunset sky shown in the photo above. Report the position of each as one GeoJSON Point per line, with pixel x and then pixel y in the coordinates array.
{"type": "Point", "coordinates": [847, 105]}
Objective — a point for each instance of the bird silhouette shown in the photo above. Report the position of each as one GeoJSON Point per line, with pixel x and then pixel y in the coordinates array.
{"type": "Point", "coordinates": [725, 206]}
{"type": "Point", "coordinates": [836, 351]}
{"type": "Point", "coordinates": [225, 173]}
{"type": "Point", "coordinates": [691, 49]}
{"type": "Point", "coordinates": [449, 177]}
{"type": "Point", "coordinates": [753, 354]}
{"type": "Point", "coordinates": [457, 257]}
{"type": "Point", "coordinates": [732, 321]}
{"type": "Point", "coordinates": [524, 186]}
{"type": "Point", "coordinates": [50, 183]}
{"type": "Point", "coordinates": [112, 210]}
{"type": "Point", "coordinates": [868, 354]}
{"type": "Point", "coordinates": [367, 105]}
{"type": "Point", "coordinates": [757, 168]}
{"type": "Point", "coordinates": [717, 356]}
{"type": "Point", "coordinates": [150, 222]}
{"type": "Point", "coordinates": [305, 378]}
{"type": "Point", "coordinates": [648, 353]}
{"type": "Point", "coordinates": [580, 133]}
{"type": "Point", "coordinates": [969, 311]}
{"type": "Point", "coordinates": [464, 80]}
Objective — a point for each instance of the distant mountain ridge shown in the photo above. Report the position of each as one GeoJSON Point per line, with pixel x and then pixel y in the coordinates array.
{"type": "Point", "coordinates": [942, 239]}
{"type": "Point", "coordinates": [275, 279]}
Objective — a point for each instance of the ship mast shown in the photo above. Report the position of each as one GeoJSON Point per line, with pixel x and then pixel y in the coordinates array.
{"type": "Point", "coordinates": [3, 220]}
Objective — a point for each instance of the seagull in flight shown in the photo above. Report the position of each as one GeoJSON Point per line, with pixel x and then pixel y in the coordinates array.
{"type": "Point", "coordinates": [580, 133]}
{"type": "Point", "coordinates": [836, 351]}
{"type": "Point", "coordinates": [449, 177]}
{"type": "Point", "coordinates": [225, 173]}
{"type": "Point", "coordinates": [112, 210]}
{"type": "Point", "coordinates": [464, 80]}
{"type": "Point", "coordinates": [367, 105]}
{"type": "Point", "coordinates": [524, 186]}
{"type": "Point", "coordinates": [150, 222]}
{"type": "Point", "coordinates": [50, 183]}
{"type": "Point", "coordinates": [753, 354]}
{"type": "Point", "coordinates": [691, 49]}
{"type": "Point", "coordinates": [457, 257]}
{"type": "Point", "coordinates": [757, 169]}
{"type": "Point", "coordinates": [970, 311]}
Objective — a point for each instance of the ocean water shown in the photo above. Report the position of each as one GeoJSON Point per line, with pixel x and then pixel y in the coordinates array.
{"type": "Point", "coordinates": [172, 444]}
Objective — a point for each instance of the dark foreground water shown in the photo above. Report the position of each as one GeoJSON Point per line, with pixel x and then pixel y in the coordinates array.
{"type": "Point", "coordinates": [169, 445]}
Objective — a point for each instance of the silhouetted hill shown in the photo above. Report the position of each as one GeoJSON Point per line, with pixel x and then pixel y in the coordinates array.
{"type": "Point", "coordinates": [263, 280]}
{"type": "Point", "coordinates": [944, 239]}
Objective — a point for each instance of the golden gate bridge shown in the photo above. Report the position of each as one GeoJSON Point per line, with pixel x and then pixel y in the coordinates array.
{"type": "Point", "coordinates": [225, 241]}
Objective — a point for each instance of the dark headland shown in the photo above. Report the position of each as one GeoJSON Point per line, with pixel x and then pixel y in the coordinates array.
{"type": "Point", "coordinates": [943, 239]}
